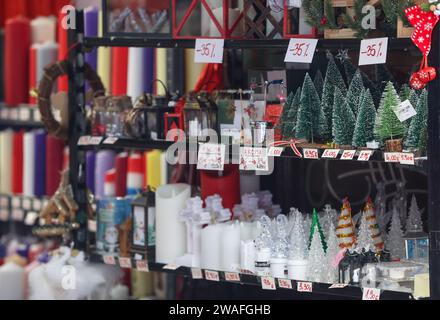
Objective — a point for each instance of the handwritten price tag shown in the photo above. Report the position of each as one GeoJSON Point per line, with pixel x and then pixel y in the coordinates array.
{"type": "Point", "coordinates": [209, 50]}
{"type": "Point", "coordinates": [37, 204]}
{"type": "Point", "coordinates": [125, 263]}
{"type": "Point", "coordinates": [301, 50]}
{"type": "Point", "coordinates": [110, 140]}
{"type": "Point", "coordinates": [16, 202]}
{"type": "Point", "coordinates": [348, 154]}
{"type": "Point", "coordinates": [95, 141]}
{"type": "Point", "coordinates": [404, 111]}
{"type": "Point", "coordinates": [142, 265]}
{"type": "Point", "coordinates": [311, 154]}
{"type": "Point", "coordinates": [84, 141]}
{"type": "Point", "coordinates": [211, 156]}
{"type": "Point", "coordinates": [304, 286]}
{"type": "Point", "coordinates": [330, 153]}
{"type": "Point", "coordinates": [285, 283]}
{"type": "Point", "coordinates": [196, 273]}
{"type": "Point", "coordinates": [373, 51]}
{"type": "Point", "coordinates": [232, 276]}
{"type": "Point", "coordinates": [338, 286]}
{"type": "Point", "coordinates": [365, 155]}
{"type": "Point", "coordinates": [171, 266]}
{"type": "Point", "coordinates": [371, 294]}
{"type": "Point", "coordinates": [254, 159]}
{"type": "Point", "coordinates": [275, 151]}
{"type": "Point", "coordinates": [212, 275]}
{"type": "Point", "coordinates": [110, 260]}
{"type": "Point", "coordinates": [392, 156]}
{"type": "Point", "coordinates": [407, 158]}
{"type": "Point", "coordinates": [17, 215]}
{"type": "Point", "coordinates": [268, 283]}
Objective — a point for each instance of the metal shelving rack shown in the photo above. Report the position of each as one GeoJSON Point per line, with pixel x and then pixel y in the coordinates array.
{"type": "Point", "coordinates": [77, 128]}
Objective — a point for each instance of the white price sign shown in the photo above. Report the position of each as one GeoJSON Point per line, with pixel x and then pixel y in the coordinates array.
{"type": "Point", "coordinates": [275, 151]}
{"type": "Point", "coordinates": [311, 154]}
{"type": "Point", "coordinates": [407, 158]}
{"type": "Point", "coordinates": [404, 111]}
{"type": "Point", "coordinates": [209, 51]}
{"type": "Point", "coordinates": [111, 140]}
{"type": "Point", "coordinates": [109, 260]}
{"type": "Point", "coordinates": [125, 263]}
{"type": "Point", "coordinates": [4, 202]}
{"type": "Point", "coordinates": [392, 156]}
{"type": "Point", "coordinates": [212, 275]}
{"type": "Point", "coordinates": [301, 50]}
{"type": "Point", "coordinates": [142, 265]}
{"type": "Point", "coordinates": [17, 215]}
{"type": "Point", "coordinates": [25, 114]}
{"type": "Point", "coordinates": [211, 156]}
{"type": "Point", "coordinates": [365, 155]}
{"type": "Point", "coordinates": [4, 215]}
{"type": "Point", "coordinates": [232, 276]}
{"type": "Point", "coordinates": [268, 283]}
{"type": "Point", "coordinates": [348, 154]}
{"type": "Point", "coordinates": [373, 51]}
{"type": "Point", "coordinates": [37, 204]}
{"type": "Point", "coordinates": [84, 140]}
{"type": "Point", "coordinates": [285, 283]}
{"type": "Point", "coordinates": [196, 273]}
{"type": "Point", "coordinates": [95, 141]}
{"type": "Point", "coordinates": [254, 159]}
{"type": "Point", "coordinates": [371, 294]}
{"type": "Point", "coordinates": [16, 202]}
{"type": "Point", "coordinates": [304, 286]}
{"type": "Point", "coordinates": [330, 153]}
{"type": "Point", "coordinates": [338, 286]}
{"type": "Point", "coordinates": [92, 225]}
{"type": "Point", "coordinates": [171, 266]}
{"type": "Point", "coordinates": [26, 204]}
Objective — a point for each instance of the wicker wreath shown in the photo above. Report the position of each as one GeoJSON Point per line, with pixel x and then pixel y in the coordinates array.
{"type": "Point", "coordinates": [51, 74]}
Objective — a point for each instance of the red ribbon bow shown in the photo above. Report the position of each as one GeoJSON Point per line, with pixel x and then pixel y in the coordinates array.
{"type": "Point", "coordinates": [291, 143]}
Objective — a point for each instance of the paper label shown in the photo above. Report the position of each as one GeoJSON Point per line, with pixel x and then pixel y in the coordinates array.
{"type": "Point", "coordinates": [16, 202]}
{"type": "Point", "coordinates": [295, 3]}
{"type": "Point", "coordinates": [4, 113]}
{"type": "Point", "coordinates": [268, 283]}
{"type": "Point", "coordinates": [212, 275]}
{"type": "Point", "coordinates": [196, 273]}
{"type": "Point", "coordinates": [232, 276]}
{"type": "Point", "coordinates": [13, 114]}
{"type": "Point", "coordinates": [125, 263]}
{"type": "Point", "coordinates": [95, 141]}
{"type": "Point", "coordinates": [17, 215]}
{"type": "Point", "coordinates": [301, 50]}
{"type": "Point", "coordinates": [84, 141]}
{"type": "Point", "coordinates": [142, 265]}
{"type": "Point", "coordinates": [373, 51]}
{"type": "Point", "coordinates": [171, 266]}
{"type": "Point", "coordinates": [37, 204]}
{"type": "Point", "coordinates": [407, 158]}
{"type": "Point", "coordinates": [4, 215]}
{"type": "Point", "coordinates": [211, 156]}
{"type": "Point", "coordinates": [209, 51]}
{"type": "Point", "coordinates": [348, 154]}
{"type": "Point", "coordinates": [338, 286]}
{"type": "Point", "coordinates": [371, 294]}
{"type": "Point", "coordinates": [25, 114]}
{"type": "Point", "coordinates": [404, 111]}
{"type": "Point", "coordinates": [311, 153]}
{"type": "Point", "coordinates": [4, 202]}
{"type": "Point", "coordinates": [275, 151]}
{"type": "Point", "coordinates": [304, 286]}
{"type": "Point", "coordinates": [92, 225]}
{"type": "Point", "coordinates": [109, 260]}
{"type": "Point", "coordinates": [254, 159]}
{"type": "Point", "coordinates": [37, 116]}
{"type": "Point", "coordinates": [330, 153]}
{"type": "Point", "coordinates": [392, 156]}
{"type": "Point", "coordinates": [30, 219]}
{"type": "Point", "coordinates": [111, 140]}
{"type": "Point", "coordinates": [365, 155]}
{"type": "Point", "coordinates": [26, 204]}
{"type": "Point", "coordinates": [285, 283]}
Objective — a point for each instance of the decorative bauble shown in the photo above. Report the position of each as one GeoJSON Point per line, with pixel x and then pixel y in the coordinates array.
{"type": "Point", "coordinates": [415, 82]}
{"type": "Point", "coordinates": [427, 74]}
{"type": "Point", "coordinates": [323, 20]}
{"type": "Point", "coordinates": [432, 7]}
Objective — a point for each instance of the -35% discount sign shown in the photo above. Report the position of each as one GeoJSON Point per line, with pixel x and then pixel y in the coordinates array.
{"type": "Point", "coordinates": [301, 50]}
{"type": "Point", "coordinates": [373, 51]}
{"type": "Point", "coordinates": [209, 50]}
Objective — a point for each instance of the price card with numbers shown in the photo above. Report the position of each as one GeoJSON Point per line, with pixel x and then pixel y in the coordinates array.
{"type": "Point", "coordinates": [142, 265]}
{"type": "Point", "coordinates": [404, 111]}
{"type": "Point", "coordinates": [348, 154]}
{"type": "Point", "coordinates": [373, 51]}
{"type": "Point", "coordinates": [304, 286]}
{"type": "Point", "coordinates": [92, 225]}
{"type": "Point", "coordinates": [125, 263]}
{"type": "Point", "coordinates": [254, 159]}
{"type": "Point", "coordinates": [4, 113]}
{"type": "Point", "coordinates": [311, 153]}
{"type": "Point", "coordinates": [95, 141]}
{"type": "Point", "coordinates": [36, 204]}
{"type": "Point", "coordinates": [232, 276]}
{"type": "Point", "coordinates": [171, 266]}
{"type": "Point", "coordinates": [285, 283]}
{"type": "Point", "coordinates": [407, 158]}
{"type": "Point", "coordinates": [4, 201]}
{"type": "Point", "coordinates": [26, 203]}
{"type": "Point", "coordinates": [16, 202]}
{"type": "Point", "coordinates": [196, 273]}
{"type": "Point", "coordinates": [17, 215]}
{"type": "Point", "coordinates": [111, 140]}
{"type": "Point", "coordinates": [371, 294]}
{"type": "Point", "coordinates": [268, 283]}
{"type": "Point", "coordinates": [209, 50]}
{"type": "Point", "coordinates": [301, 50]}
{"type": "Point", "coordinates": [109, 260]}
{"type": "Point", "coordinates": [365, 155]}
{"type": "Point", "coordinates": [4, 214]}
{"type": "Point", "coordinates": [275, 151]}
{"type": "Point", "coordinates": [392, 156]}
{"type": "Point", "coordinates": [84, 141]}
{"type": "Point", "coordinates": [211, 156]}
{"type": "Point", "coordinates": [212, 275]}
{"type": "Point", "coordinates": [13, 114]}
{"type": "Point", "coordinates": [330, 153]}
{"type": "Point", "coordinates": [25, 114]}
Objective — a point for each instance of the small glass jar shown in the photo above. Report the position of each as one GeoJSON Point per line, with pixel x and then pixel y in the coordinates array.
{"type": "Point", "coordinates": [117, 111]}
{"type": "Point", "coordinates": [98, 121]}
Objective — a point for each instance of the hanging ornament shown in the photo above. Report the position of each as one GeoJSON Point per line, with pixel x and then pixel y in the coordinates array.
{"type": "Point", "coordinates": [323, 21]}
{"type": "Point", "coordinates": [415, 82]}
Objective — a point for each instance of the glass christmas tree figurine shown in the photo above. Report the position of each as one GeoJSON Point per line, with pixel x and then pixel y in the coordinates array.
{"type": "Point", "coordinates": [394, 242]}
{"type": "Point", "coordinates": [400, 202]}
{"type": "Point", "coordinates": [317, 268]}
{"type": "Point", "coordinates": [280, 245]}
{"type": "Point", "coordinates": [416, 240]}
{"type": "Point", "coordinates": [345, 229]}
{"type": "Point", "coordinates": [298, 242]}
{"type": "Point", "coordinates": [380, 205]}
{"type": "Point", "coordinates": [316, 227]}
{"type": "Point", "coordinates": [332, 250]}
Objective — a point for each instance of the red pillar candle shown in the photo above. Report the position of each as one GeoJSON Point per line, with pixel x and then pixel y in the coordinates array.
{"type": "Point", "coordinates": [17, 163]}
{"type": "Point", "coordinates": [33, 72]}
{"type": "Point", "coordinates": [17, 44]}
{"type": "Point", "coordinates": [119, 68]}
{"type": "Point", "coordinates": [225, 183]}
{"type": "Point", "coordinates": [40, 8]}
{"type": "Point", "coordinates": [54, 163]}
{"type": "Point", "coordinates": [121, 165]}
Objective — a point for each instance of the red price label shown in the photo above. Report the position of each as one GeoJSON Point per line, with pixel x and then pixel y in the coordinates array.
{"type": "Point", "coordinates": [304, 286]}
{"type": "Point", "coordinates": [330, 153]}
{"type": "Point", "coordinates": [142, 265]}
{"type": "Point", "coordinates": [125, 263]}
{"type": "Point", "coordinates": [371, 294]}
{"type": "Point", "coordinates": [212, 275]}
{"type": "Point", "coordinates": [109, 260]}
{"type": "Point", "coordinates": [285, 283]}
{"type": "Point", "coordinates": [311, 154]}
{"type": "Point", "coordinates": [348, 154]}
{"type": "Point", "coordinates": [268, 283]}
{"type": "Point", "coordinates": [392, 156]}
{"type": "Point", "coordinates": [407, 158]}
{"type": "Point", "coordinates": [365, 155]}
{"type": "Point", "coordinates": [232, 276]}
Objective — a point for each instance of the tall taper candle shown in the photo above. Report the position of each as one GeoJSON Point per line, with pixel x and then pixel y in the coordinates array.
{"type": "Point", "coordinates": [29, 163]}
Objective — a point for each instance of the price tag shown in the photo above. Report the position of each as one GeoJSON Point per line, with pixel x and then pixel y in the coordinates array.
{"type": "Point", "coordinates": [4, 215]}
{"type": "Point", "coordinates": [209, 51]}
{"type": "Point", "coordinates": [371, 294]}
{"type": "Point", "coordinates": [125, 263]}
{"type": "Point", "coordinates": [110, 260]}
{"type": "Point", "coordinates": [171, 266]}
{"type": "Point", "coordinates": [275, 151]}
{"type": "Point", "coordinates": [92, 225]}
{"type": "Point", "coordinates": [268, 283]}
{"type": "Point", "coordinates": [407, 158]}
{"type": "Point", "coordinates": [196, 273]}
{"type": "Point", "coordinates": [37, 116]}
{"type": "Point", "coordinates": [16, 202]}
{"type": "Point", "coordinates": [142, 265]}
{"type": "Point", "coordinates": [392, 156]}
{"type": "Point", "coordinates": [373, 51]}
{"type": "Point", "coordinates": [254, 159]}
{"type": "Point", "coordinates": [95, 141]}
{"type": "Point", "coordinates": [285, 283]}
{"type": "Point", "coordinates": [304, 286]}
{"type": "Point", "coordinates": [111, 140]}
{"type": "Point", "coordinates": [4, 113]}
{"type": "Point", "coordinates": [26, 204]}
{"type": "Point", "coordinates": [365, 155]}
{"type": "Point", "coordinates": [84, 141]}
{"type": "Point", "coordinates": [25, 114]}
{"type": "Point", "coordinates": [37, 205]}
{"type": "Point", "coordinates": [13, 114]}
{"type": "Point", "coordinates": [4, 202]}
{"type": "Point", "coordinates": [404, 111]}
{"type": "Point", "coordinates": [211, 156]}
{"type": "Point", "coordinates": [338, 286]}
{"type": "Point", "coordinates": [232, 276]}
{"type": "Point", "coordinates": [311, 153]}
{"type": "Point", "coordinates": [17, 215]}
{"type": "Point", "coordinates": [330, 153]}
{"type": "Point", "coordinates": [301, 50]}
{"type": "Point", "coordinates": [30, 219]}
{"type": "Point", "coordinates": [348, 154]}
{"type": "Point", "coordinates": [212, 275]}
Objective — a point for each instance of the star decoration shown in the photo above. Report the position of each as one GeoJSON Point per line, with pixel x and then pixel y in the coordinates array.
{"type": "Point", "coordinates": [342, 55]}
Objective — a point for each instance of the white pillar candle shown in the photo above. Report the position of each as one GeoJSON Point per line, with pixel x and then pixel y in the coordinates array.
{"type": "Point", "coordinates": [43, 29]}
{"type": "Point", "coordinates": [278, 267]}
{"type": "Point", "coordinates": [11, 282]}
{"type": "Point", "coordinates": [197, 244]}
{"type": "Point", "coordinates": [211, 246]}
{"type": "Point", "coordinates": [230, 250]}
{"type": "Point", "coordinates": [297, 269]}
{"type": "Point", "coordinates": [246, 231]}
{"type": "Point", "coordinates": [28, 163]}
{"type": "Point", "coordinates": [247, 255]}
{"type": "Point", "coordinates": [170, 231]}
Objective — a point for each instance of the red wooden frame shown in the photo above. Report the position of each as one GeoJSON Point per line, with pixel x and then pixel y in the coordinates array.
{"type": "Point", "coordinates": [179, 120]}
{"type": "Point", "coordinates": [224, 30]}
{"type": "Point", "coordinates": [286, 33]}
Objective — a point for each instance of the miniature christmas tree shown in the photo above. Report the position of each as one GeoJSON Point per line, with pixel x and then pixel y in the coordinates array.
{"type": "Point", "coordinates": [328, 216]}
{"type": "Point", "coordinates": [414, 222]}
{"type": "Point", "coordinates": [286, 107]}
{"type": "Point", "coordinates": [388, 126]}
{"type": "Point", "coordinates": [404, 92]}
{"type": "Point", "coordinates": [380, 206]}
{"type": "Point", "coordinates": [290, 121]}
{"type": "Point", "coordinates": [400, 202]}
{"type": "Point", "coordinates": [354, 92]}
{"type": "Point", "coordinates": [332, 251]}
{"type": "Point", "coordinates": [343, 120]}
{"type": "Point", "coordinates": [418, 123]}
{"type": "Point", "coordinates": [345, 229]}
{"type": "Point", "coordinates": [395, 243]}
{"type": "Point", "coordinates": [280, 245]}
{"type": "Point", "coordinates": [316, 226]}
{"type": "Point", "coordinates": [318, 81]}
{"type": "Point", "coordinates": [364, 237]}
{"type": "Point", "coordinates": [370, 218]}
{"type": "Point", "coordinates": [298, 242]}
{"type": "Point", "coordinates": [309, 124]}
{"type": "Point", "coordinates": [316, 268]}
{"type": "Point", "coordinates": [333, 79]}
{"type": "Point", "coordinates": [364, 129]}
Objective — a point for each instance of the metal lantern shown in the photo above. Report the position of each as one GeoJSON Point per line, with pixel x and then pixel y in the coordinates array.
{"type": "Point", "coordinates": [143, 238]}
{"type": "Point", "coordinates": [416, 246]}
{"type": "Point", "coordinates": [155, 116]}
{"type": "Point", "coordinates": [200, 113]}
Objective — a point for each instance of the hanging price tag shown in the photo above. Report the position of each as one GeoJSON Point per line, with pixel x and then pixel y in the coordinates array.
{"type": "Point", "coordinates": [392, 156]}
{"type": "Point", "coordinates": [268, 283]}
{"type": "Point", "coordinates": [365, 155]}
{"type": "Point", "coordinates": [301, 50]}
{"type": "Point", "coordinates": [373, 51]}
{"type": "Point", "coordinates": [142, 265]}
{"type": "Point", "coordinates": [338, 286]}
{"type": "Point", "coordinates": [311, 154]}
{"type": "Point", "coordinates": [371, 294]}
{"type": "Point", "coordinates": [330, 153]}
{"type": "Point", "coordinates": [407, 158]}
{"type": "Point", "coordinates": [125, 263]}
{"type": "Point", "coordinates": [404, 111]}
{"type": "Point", "coordinates": [211, 156]}
{"type": "Point", "coordinates": [110, 140]}
{"type": "Point", "coordinates": [196, 273]}
{"type": "Point", "coordinates": [285, 283]}
{"type": "Point", "coordinates": [95, 141]}
{"type": "Point", "coordinates": [254, 159]}
{"type": "Point", "coordinates": [275, 151]}
{"type": "Point", "coordinates": [348, 154]}
{"type": "Point", "coordinates": [209, 51]}
{"type": "Point", "coordinates": [171, 266]}
{"type": "Point", "coordinates": [212, 275]}
{"type": "Point", "coordinates": [304, 286]}
{"type": "Point", "coordinates": [84, 141]}
{"type": "Point", "coordinates": [232, 276]}
{"type": "Point", "coordinates": [110, 260]}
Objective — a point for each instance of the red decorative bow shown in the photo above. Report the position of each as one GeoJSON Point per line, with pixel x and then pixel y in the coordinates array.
{"type": "Point", "coordinates": [291, 143]}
